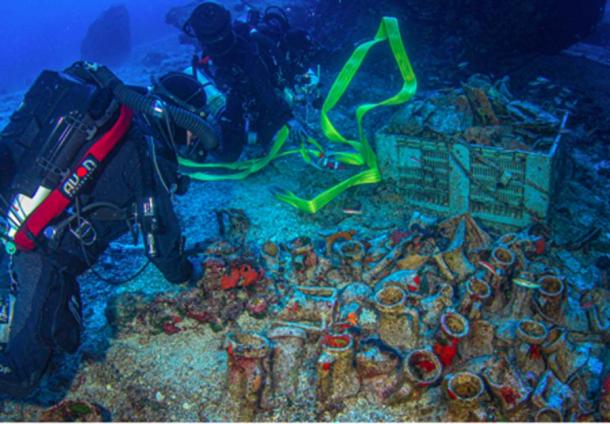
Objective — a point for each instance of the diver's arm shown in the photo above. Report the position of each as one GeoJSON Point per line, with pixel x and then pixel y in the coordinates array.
{"type": "Point", "coordinates": [170, 258]}
{"type": "Point", "coordinates": [266, 93]}
{"type": "Point", "coordinates": [7, 167]}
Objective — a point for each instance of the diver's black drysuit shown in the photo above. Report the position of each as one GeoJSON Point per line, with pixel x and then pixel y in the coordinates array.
{"type": "Point", "coordinates": [245, 73]}
{"type": "Point", "coordinates": [47, 311]}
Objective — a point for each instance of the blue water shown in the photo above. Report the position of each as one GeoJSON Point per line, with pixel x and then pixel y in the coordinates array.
{"type": "Point", "coordinates": [36, 34]}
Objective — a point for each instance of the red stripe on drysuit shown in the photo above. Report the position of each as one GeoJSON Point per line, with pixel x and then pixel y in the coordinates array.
{"type": "Point", "coordinates": [57, 202]}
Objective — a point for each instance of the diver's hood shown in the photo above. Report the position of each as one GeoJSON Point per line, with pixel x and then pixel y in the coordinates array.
{"type": "Point", "coordinates": [182, 90]}
{"type": "Point", "coordinates": [186, 92]}
{"type": "Point", "coordinates": [275, 22]}
{"type": "Point", "coordinates": [211, 24]}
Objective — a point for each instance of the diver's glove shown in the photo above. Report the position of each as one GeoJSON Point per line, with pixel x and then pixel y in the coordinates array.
{"type": "Point", "coordinates": [298, 133]}
{"type": "Point", "coordinates": [196, 274]}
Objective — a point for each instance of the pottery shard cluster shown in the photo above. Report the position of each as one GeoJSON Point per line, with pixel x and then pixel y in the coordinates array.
{"type": "Point", "coordinates": [486, 320]}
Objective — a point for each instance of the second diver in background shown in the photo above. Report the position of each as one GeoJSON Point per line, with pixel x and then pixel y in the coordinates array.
{"type": "Point", "coordinates": [253, 62]}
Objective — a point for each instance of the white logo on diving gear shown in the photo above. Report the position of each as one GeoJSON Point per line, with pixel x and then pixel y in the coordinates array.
{"type": "Point", "coordinates": [5, 370]}
{"type": "Point", "coordinates": [80, 176]}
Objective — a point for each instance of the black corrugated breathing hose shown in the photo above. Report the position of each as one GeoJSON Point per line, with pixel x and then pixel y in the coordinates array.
{"type": "Point", "coordinates": [154, 106]}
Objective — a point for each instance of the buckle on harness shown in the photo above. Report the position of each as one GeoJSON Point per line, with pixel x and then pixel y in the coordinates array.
{"type": "Point", "coordinates": [83, 230]}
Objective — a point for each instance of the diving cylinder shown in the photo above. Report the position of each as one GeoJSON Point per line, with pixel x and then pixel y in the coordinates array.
{"type": "Point", "coordinates": [20, 209]}
{"type": "Point", "coordinates": [216, 100]}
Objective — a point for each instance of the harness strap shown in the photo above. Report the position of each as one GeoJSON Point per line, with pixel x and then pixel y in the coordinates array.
{"type": "Point", "coordinates": [111, 214]}
{"type": "Point", "coordinates": [63, 195]}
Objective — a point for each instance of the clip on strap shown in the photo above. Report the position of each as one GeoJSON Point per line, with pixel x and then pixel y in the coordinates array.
{"type": "Point", "coordinates": [9, 247]}
{"type": "Point", "coordinates": [84, 231]}
{"type": "Point", "coordinates": [7, 307]}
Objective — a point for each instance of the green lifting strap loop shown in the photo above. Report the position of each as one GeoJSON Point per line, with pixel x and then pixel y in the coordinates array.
{"type": "Point", "coordinates": [363, 156]}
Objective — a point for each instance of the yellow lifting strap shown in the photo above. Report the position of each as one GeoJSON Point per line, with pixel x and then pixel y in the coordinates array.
{"type": "Point", "coordinates": [362, 154]}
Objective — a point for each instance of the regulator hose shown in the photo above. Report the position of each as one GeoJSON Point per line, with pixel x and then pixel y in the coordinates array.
{"type": "Point", "coordinates": [154, 106]}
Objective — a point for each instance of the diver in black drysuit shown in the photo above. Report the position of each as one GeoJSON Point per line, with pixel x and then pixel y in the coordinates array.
{"type": "Point", "coordinates": [47, 309]}
{"type": "Point", "coordinates": [252, 64]}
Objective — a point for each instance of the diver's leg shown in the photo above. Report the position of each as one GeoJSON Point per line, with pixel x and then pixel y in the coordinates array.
{"type": "Point", "coordinates": [268, 126]}
{"type": "Point", "coordinates": [47, 314]}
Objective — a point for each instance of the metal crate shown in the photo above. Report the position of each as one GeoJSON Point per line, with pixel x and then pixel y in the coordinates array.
{"type": "Point", "coordinates": [503, 188]}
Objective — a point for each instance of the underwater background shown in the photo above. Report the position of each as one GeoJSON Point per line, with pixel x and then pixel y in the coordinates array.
{"type": "Point", "coordinates": [510, 77]}
{"type": "Point", "coordinates": [38, 34]}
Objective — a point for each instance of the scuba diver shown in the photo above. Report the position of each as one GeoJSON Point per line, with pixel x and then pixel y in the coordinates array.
{"type": "Point", "coordinates": [86, 159]}
{"type": "Point", "coordinates": [253, 62]}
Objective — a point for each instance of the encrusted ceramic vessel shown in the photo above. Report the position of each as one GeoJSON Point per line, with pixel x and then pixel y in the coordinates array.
{"type": "Point", "coordinates": [494, 277]}
{"type": "Point", "coordinates": [548, 415]}
{"type": "Point", "coordinates": [248, 373]}
{"type": "Point", "coordinates": [551, 295]}
{"type": "Point", "coordinates": [379, 369]}
{"type": "Point", "coordinates": [434, 304]}
{"type": "Point", "coordinates": [351, 254]}
{"type": "Point", "coordinates": [304, 260]}
{"type": "Point", "coordinates": [311, 308]}
{"type": "Point", "coordinates": [522, 290]}
{"type": "Point", "coordinates": [503, 258]}
{"type": "Point", "coordinates": [528, 351]}
{"type": "Point", "coordinates": [597, 304]}
{"type": "Point", "coordinates": [552, 394]}
{"type": "Point", "coordinates": [564, 357]}
{"type": "Point", "coordinates": [455, 257]}
{"type": "Point", "coordinates": [286, 359]}
{"type": "Point", "coordinates": [337, 374]}
{"type": "Point", "coordinates": [453, 328]}
{"type": "Point", "coordinates": [480, 339]}
{"type": "Point", "coordinates": [465, 393]}
{"type": "Point", "coordinates": [421, 369]}
{"type": "Point", "coordinates": [478, 293]}
{"type": "Point", "coordinates": [398, 323]}
{"type": "Point", "coordinates": [506, 385]}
